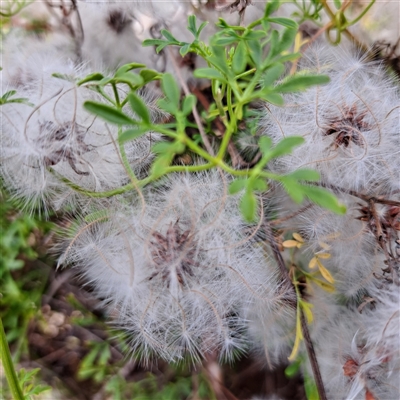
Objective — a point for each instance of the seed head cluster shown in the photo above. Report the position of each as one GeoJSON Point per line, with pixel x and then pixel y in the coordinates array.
{"type": "Point", "coordinates": [173, 261]}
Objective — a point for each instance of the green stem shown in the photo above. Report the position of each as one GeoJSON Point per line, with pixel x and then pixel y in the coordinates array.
{"type": "Point", "coordinates": [90, 193]}
{"type": "Point", "coordinates": [188, 168]}
{"type": "Point", "coordinates": [9, 366]}
{"type": "Point", "coordinates": [355, 20]}
{"type": "Point", "coordinates": [115, 90]}
{"type": "Point", "coordinates": [100, 90]}
{"type": "Point", "coordinates": [124, 158]}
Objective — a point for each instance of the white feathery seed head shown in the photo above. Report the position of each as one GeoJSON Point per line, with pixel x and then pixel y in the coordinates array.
{"type": "Point", "coordinates": [350, 125]}
{"type": "Point", "coordinates": [56, 132]}
{"type": "Point", "coordinates": [177, 270]}
{"type": "Point", "coordinates": [359, 353]}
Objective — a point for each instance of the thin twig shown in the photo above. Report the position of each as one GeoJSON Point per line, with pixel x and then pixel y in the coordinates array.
{"type": "Point", "coordinates": [313, 358]}
{"type": "Point", "coordinates": [304, 327]}
{"type": "Point", "coordinates": [361, 196]}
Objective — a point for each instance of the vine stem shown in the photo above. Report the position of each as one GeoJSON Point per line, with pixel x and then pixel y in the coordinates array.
{"type": "Point", "coordinates": [8, 365]}
{"type": "Point", "coordinates": [304, 327]}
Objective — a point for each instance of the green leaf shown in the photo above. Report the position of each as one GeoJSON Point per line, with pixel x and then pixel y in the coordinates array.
{"type": "Point", "coordinates": [324, 199]}
{"type": "Point", "coordinates": [273, 98]}
{"type": "Point", "coordinates": [255, 51]}
{"type": "Point", "coordinates": [139, 107]}
{"type": "Point", "coordinates": [265, 144]}
{"type": "Point", "coordinates": [293, 369]}
{"type": "Point", "coordinates": [299, 83]}
{"type": "Point", "coordinates": [108, 113]}
{"type": "Point", "coordinates": [288, 57]}
{"type": "Point", "coordinates": [271, 7]}
{"type": "Point", "coordinates": [160, 43]}
{"type": "Point", "coordinates": [149, 75]}
{"type": "Point", "coordinates": [288, 23]}
{"type": "Point", "coordinates": [192, 25]}
{"type": "Point", "coordinates": [259, 185]}
{"type": "Point", "coordinates": [237, 185]}
{"type": "Point", "coordinates": [305, 175]}
{"type": "Point", "coordinates": [209, 73]}
{"type": "Point", "coordinates": [188, 103]}
{"type": "Point", "coordinates": [168, 35]}
{"type": "Point", "coordinates": [272, 74]}
{"type": "Point", "coordinates": [337, 4]}
{"type": "Point", "coordinates": [310, 388]}
{"type": "Point", "coordinates": [90, 78]}
{"type": "Point", "coordinates": [168, 148]}
{"type": "Point", "coordinates": [248, 206]}
{"type": "Point", "coordinates": [287, 39]}
{"type": "Point", "coordinates": [8, 94]}
{"type": "Point", "coordinates": [293, 189]}
{"type": "Point", "coordinates": [274, 49]}
{"type": "Point", "coordinates": [201, 27]}
{"type": "Point", "coordinates": [161, 163]}
{"type": "Point", "coordinates": [161, 147]}
{"type": "Point", "coordinates": [133, 133]}
{"type": "Point", "coordinates": [167, 106]}
{"type": "Point", "coordinates": [171, 89]}
{"type": "Point", "coordinates": [219, 58]}
{"type": "Point", "coordinates": [130, 78]}
{"type": "Point", "coordinates": [161, 47]}
{"type": "Point", "coordinates": [128, 67]}
{"type": "Point", "coordinates": [239, 60]}
{"type": "Point", "coordinates": [224, 40]}
{"type": "Point", "coordinates": [266, 25]}
{"type": "Point", "coordinates": [184, 49]}
{"type": "Point", "coordinates": [286, 146]}
{"type": "Point", "coordinates": [255, 35]}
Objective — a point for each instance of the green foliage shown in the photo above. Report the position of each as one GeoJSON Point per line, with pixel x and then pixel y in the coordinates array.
{"type": "Point", "coordinates": [95, 364]}
{"type": "Point", "coordinates": [10, 8]}
{"type": "Point", "coordinates": [109, 113]}
{"type": "Point", "coordinates": [21, 290]}
{"type": "Point", "coordinates": [30, 388]}
{"type": "Point", "coordinates": [245, 64]}
{"type": "Point", "coordinates": [8, 98]}
{"type": "Point", "coordinates": [180, 387]}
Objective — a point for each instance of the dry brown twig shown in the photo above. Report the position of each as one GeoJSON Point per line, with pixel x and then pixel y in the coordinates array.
{"type": "Point", "coordinates": [304, 327]}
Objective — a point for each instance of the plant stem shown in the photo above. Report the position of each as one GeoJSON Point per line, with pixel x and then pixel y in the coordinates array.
{"type": "Point", "coordinates": [9, 366]}
{"type": "Point", "coordinates": [312, 357]}
{"type": "Point", "coordinates": [304, 327]}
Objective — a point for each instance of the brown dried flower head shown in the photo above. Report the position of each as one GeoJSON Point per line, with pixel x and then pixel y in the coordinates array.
{"type": "Point", "coordinates": [347, 128]}
{"type": "Point", "coordinates": [173, 253]}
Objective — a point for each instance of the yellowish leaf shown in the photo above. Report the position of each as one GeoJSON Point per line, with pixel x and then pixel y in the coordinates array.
{"type": "Point", "coordinates": [324, 285]}
{"type": "Point", "coordinates": [307, 310]}
{"type": "Point", "coordinates": [324, 245]}
{"type": "Point", "coordinates": [313, 263]}
{"type": "Point", "coordinates": [298, 339]}
{"type": "Point", "coordinates": [290, 243]}
{"type": "Point", "coordinates": [298, 237]}
{"type": "Point", "coordinates": [323, 255]}
{"type": "Point", "coordinates": [325, 273]}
